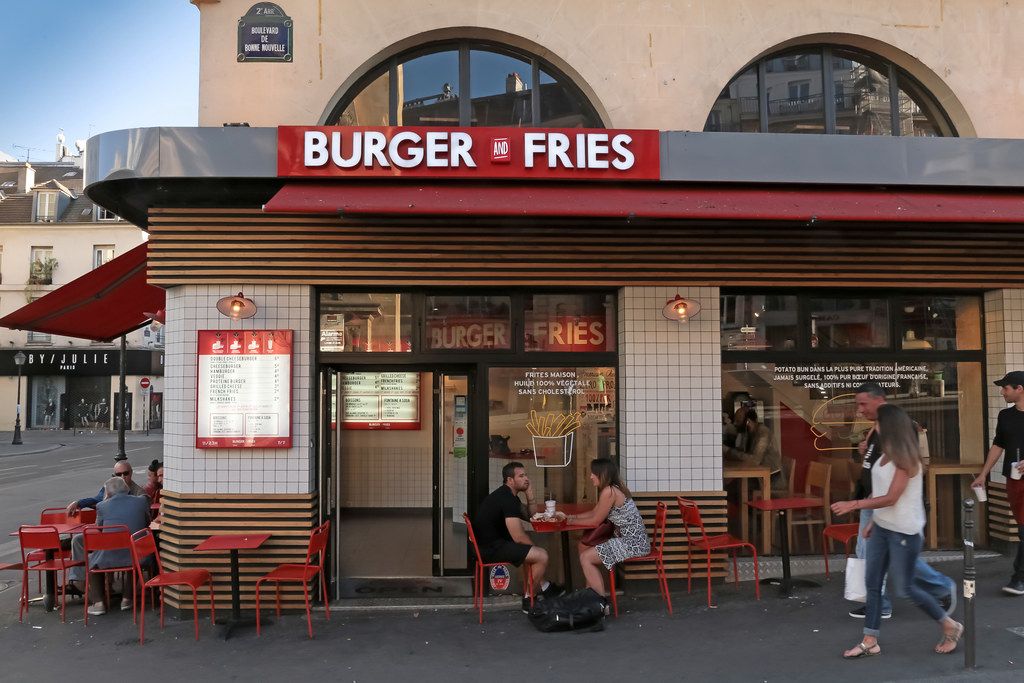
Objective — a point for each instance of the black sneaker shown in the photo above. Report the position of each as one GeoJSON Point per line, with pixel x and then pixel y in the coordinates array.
{"type": "Point", "coordinates": [861, 613]}
{"type": "Point", "coordinates": [1014, 588]}
{"type": "Point", "coordinates": [526, 605]}
{"type": "Point", "coordinates": [553, 590]}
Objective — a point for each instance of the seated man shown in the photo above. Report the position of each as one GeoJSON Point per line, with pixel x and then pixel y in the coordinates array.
{"type": "Point", "coordinates": [155, 481]}
{"type": "Point", "coordinates": [123, 470]}
{"type": "Point", "coordinates": [118, 507]}
{"type": "Point", "coordinates": [500, 535]}
{"type": "Point", "coordinates": [759, 449]}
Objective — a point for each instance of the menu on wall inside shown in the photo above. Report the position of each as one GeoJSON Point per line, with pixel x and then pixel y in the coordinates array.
{"type": "Point", "coordinates": [380, 400]}
{"type": "Point", "coordinates": [244, 389]}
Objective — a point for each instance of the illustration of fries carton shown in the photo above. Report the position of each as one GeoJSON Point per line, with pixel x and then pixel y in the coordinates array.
{"type": "Point", "coordinates": [553, 436]}
{"type": "Point", "coordinates": [835, 424]}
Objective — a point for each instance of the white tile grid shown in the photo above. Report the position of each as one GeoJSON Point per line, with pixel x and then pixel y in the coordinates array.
{"type": "Point", "coordinates": [1004, 347]}
{"type": "Point", "coordinates": [259, 471]}
{"type": "Point", "coordinates": [392, 477]}
{"type": "Point", "coordinates": [671, 390]}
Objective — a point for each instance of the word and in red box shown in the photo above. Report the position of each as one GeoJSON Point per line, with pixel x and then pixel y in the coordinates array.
{"type": "Point", "coordinates": [419, 152]}
{"type": "Point", "coordinates": [244, 389]}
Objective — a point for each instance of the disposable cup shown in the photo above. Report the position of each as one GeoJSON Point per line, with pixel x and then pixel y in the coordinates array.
{"type": "Point", "coordinates": [1015, 472]}
{"type": "Point", "coordinates": [549, 507]}
{"type": "Point", "coordinates": [980, 493]}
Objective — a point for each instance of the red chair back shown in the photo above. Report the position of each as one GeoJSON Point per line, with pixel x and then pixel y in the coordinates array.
{"type": "Point", "coordinates": [317, 543]}
{"type": "Point", "coordinates": [144, 545]}
{"type": "Point", "coordinates": [108, 537]}
{"type": "Point", "coordinates": [86, 516]}
{"type": "Point", "coordinates": [38, 538]}
{"type": "Point", "coordinates": [690, 512]}
{"type": "Point", "coordinates": [53, 516]}
{"type": "Point", "coordinates": [660, 520]}
{"type": "Point", "coordinates": [472, 538]}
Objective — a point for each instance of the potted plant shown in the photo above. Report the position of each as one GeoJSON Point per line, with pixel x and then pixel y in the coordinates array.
{"type": "Point", "coordinates": [41, 271]}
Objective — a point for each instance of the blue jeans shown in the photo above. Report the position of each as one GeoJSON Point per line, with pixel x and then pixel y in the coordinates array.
{"type": "Point", "coordinates": [925, 576]}
{"type": "Point", "coordinates": [897, 554]}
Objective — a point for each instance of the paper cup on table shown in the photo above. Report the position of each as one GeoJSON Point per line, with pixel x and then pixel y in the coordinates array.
{"type": "Point", "coordinates": [980, 493]}
{"type": "Point", "coordinates": [549, 508]}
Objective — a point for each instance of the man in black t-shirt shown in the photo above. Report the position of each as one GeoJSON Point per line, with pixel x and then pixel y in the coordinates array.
{"type": "Point", "coordinates": [1009, 441]}
{"type": "Point", "coordinates": [499, 530]}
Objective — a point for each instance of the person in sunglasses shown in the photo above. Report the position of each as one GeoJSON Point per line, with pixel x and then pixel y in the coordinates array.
{"type": "Point", "coordinates": [122, 470]}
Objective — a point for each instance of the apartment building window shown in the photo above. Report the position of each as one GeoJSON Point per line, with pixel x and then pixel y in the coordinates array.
{"type": "Point", "coordinates": [106, 214]}
{"type": "Point", "coordinates": [46, 206]}
{"type": "Point", "coordinates": [38, 337]}
{"type": "Point", "coordinates": [41, 265]}
{"type": "Point", "coordinates": [102, 253]}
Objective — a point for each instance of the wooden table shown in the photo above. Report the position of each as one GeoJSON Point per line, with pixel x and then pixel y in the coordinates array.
{"type": "Point", "coordinates": [234, 543]}
{"type": "Point", "coordinates": [63, 528]}
{"type": "Point", "coordinates": [782, 506]}
{"type": "Point", "coordinates": [564, 529]}
{"type": "Point", "coordinates": [744, 473]}
{"type": "Point", "coordinates": [939, 469]}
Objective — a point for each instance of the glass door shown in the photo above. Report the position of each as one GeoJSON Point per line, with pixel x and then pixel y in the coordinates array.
{"type": "Point", "coordinates": [326, 481]}
{"type": "Point", "coordinates": [452, 458]}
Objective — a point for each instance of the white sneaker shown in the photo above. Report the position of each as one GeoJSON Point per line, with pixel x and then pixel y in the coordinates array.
{"type": "Point", "coordinates": [97, 608]}
{"type": "Point", "coordinates": [126, 604]}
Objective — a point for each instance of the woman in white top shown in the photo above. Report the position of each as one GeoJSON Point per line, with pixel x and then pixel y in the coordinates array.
{"type": "Point", "coordinates": [894, 534]}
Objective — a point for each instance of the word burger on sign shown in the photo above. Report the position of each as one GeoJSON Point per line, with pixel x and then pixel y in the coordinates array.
{"type": "Point", "coordinates": [468, 152]}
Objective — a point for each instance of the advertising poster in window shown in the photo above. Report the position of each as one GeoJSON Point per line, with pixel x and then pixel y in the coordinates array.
{"type": "Point", "coordinates": [244, 389]}
{"type": "Point", "coordinates": [380, 400]}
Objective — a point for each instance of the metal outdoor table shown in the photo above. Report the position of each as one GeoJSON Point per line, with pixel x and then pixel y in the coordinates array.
{"type": "Point", "coordinates": [233, 543]}
{"type": "Point", "coordinates": [562, 528]}
{"type": "Point", "coordinates": [782, 506]}
{"type": "Point", "coordinates": [63, 528]}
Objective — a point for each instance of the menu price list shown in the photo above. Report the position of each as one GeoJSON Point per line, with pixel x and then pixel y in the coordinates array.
{"type": "Point", "coordinates": [244, 389]}
{"type": "Point", "coordinates": [381, 400]}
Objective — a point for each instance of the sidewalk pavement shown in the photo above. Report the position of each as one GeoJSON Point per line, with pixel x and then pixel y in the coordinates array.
{"type": "Point", "coordinates": [45, 440]}
{"type": "Point", "coordinates": [796, 639]}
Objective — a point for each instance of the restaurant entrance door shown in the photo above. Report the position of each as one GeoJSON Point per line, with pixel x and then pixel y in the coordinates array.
{"type": "Point", "coordinates": [402, 459]}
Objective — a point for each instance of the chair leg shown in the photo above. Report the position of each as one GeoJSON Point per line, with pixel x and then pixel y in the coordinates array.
{"type": "Point", "coordinates": [689, 569]}
{"type": "Point", "coordinates": [64, 598]}
{"type": "Point", "coordinates": [142, 617]}
{"type": "Point", "coordinates": [86, 600]}
{"type": "Point", "coordinates": [611, 584]}
{"type": "Point", "coordinates": [664, 582]}
{"type": "Point", "coordinates": [735, 567]}
{"type": "Point", "coordinates": [309, 613]}
{"type": "Point", "coordinates": [213, 606]}
{"type": "Point", "coordinates": [327, 605]}
{"type": "Point", "coordinates": [709, 577]}
{"type": "Point", "coordinates": [163, 598]}
{"type": "Point", "coordinates": [824, 552]}
{"type": "Point", "coordinates": [757, 576]}
{"type": "Point", "coordinates": [277, 605]}
{"type": "Point", "coordinates": [23, 598]}
{"type": "Point", "coordinates": [258, 583]}
{"type": "Point", "coordinates": [195, 611]}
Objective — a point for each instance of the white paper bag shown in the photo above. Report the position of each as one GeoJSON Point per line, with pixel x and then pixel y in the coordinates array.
{"type": "Point", "coordinates": [855, 591]}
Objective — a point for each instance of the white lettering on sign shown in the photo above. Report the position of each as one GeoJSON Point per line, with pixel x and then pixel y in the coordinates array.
{"type": "Point", "coordinates": [454, 149]}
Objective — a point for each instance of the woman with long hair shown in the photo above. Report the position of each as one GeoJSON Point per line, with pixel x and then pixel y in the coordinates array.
{"type": "Point", "coordinates": [894, 534]}
{"type": "Point", "coordinates": [615, 504]}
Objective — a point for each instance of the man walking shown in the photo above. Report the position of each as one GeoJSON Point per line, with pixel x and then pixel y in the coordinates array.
{"type": "Point", "coordinates": [870, 396]}
{"type": "Point", "coordinates": [1009, 442]}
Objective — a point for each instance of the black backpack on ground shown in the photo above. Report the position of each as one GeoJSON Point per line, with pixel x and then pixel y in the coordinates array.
{"type": "Point", "coordinates": [580, 610]}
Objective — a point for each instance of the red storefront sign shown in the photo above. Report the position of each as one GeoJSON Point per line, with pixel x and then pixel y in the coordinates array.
{"type": "Point", "coordinates": [529, 153]}
{"type": "Point", "coordinates": [563, 333]}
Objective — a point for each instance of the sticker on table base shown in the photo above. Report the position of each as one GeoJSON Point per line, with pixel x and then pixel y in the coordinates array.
{"type": "Point", "coordinates": [500, 578]}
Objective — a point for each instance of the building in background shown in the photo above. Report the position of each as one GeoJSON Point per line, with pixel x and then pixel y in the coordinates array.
{"type": "Point", "coordinates": [50, 234]}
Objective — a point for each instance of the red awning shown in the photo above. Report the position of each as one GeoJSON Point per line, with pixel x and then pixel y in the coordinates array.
{"type": "Point", "coordinates": [646, 201]}
{"type": "Point", "coordinates": [102, 305]}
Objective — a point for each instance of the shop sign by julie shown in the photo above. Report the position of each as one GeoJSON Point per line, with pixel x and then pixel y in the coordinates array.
{"type": "Point", "coordinates": [85, 362]}
{"type": "Point", "coordinates": [265, 34]}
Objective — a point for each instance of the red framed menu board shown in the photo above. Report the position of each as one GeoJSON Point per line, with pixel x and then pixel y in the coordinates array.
{"type": "Point", "coordinates": [244, 389]}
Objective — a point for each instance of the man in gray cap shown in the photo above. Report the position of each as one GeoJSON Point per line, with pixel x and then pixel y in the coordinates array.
{"type": "Point", "coordinates": [1009, 442]}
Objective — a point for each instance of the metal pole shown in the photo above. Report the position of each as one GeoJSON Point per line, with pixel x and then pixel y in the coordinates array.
{"type": "Point", "coordinates": [17, 415]}
{"type": "Point", "coordinates": [145, 412]}
{"type": "Point", "coordinates": [122, 391]}
{"type": "Point", "coordinates": [969, 585]}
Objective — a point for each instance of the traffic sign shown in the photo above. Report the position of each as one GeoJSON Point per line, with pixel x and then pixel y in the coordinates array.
{"type": "Point", "coordinates": [144, 383]}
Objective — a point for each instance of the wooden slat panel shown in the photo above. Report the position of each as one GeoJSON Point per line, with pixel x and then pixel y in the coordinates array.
{"type": "Point", "coordinates": [1001, 523]}
{"type": "Point", "coordinates": [188, 519]}
{"type": "Point", "coordinates": [713, 512]}
{"type": "Point", "coordinates": [230, 245]}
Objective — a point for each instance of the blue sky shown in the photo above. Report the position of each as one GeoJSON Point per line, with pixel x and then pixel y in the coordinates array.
{"type": "Point", "coordinates": [90, 66]}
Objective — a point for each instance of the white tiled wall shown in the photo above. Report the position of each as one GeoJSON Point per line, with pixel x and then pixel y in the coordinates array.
{"type": "Point", "coordinates": [251, 470]}
{"type": "Point", "coordinates": [1004, 347]}
{"type": "Point", "coordinates": [671, 392]}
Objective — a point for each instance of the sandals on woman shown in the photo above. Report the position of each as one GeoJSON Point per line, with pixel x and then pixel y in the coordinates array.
{"type": "Point", "coordinates": [864, 650]}
{"type": "Point", "coordinates": [950, 639]}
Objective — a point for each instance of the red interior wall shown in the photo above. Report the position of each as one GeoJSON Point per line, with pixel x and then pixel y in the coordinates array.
{"type": "Point", "coordinates": [797, 442]}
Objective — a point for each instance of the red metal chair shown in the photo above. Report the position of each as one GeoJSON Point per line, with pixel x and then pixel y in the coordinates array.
{"type": "Point", "coordinates": [301, 573]}
{"type": "Point", "coordinates": [690, 513]}
{"type": "Point", "coordinates": [656, 554]}
{"type": "Point", "coordinates": [43, 538]}
{"type": "Point", "coordinates": [844, 533]}
{"type": "Point", "coordinates": [478, 572]}
{"type": "Point", "coordinates": [107, 537]}
{"type": "Point", "coordinates": [144, 545]}
{"type": "Point", "coordinates": [58, 516]}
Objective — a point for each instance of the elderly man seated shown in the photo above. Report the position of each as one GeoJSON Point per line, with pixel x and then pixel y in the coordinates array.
{"type": "Point", "coordinates": [122, 470]}
{"type": "Point", "coordinates": [117, 507]}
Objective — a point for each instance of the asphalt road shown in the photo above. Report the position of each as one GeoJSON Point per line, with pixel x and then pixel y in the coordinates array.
{"type": "Point", "coordinates": [73, 469]}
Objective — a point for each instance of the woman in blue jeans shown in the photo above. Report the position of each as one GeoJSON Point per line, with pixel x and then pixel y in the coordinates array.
{"type": "Point", "coordinates": [894, 533]}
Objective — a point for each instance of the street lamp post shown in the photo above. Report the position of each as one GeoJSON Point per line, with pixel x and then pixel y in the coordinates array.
{"type": "Point", "coordinates": [19, 360]}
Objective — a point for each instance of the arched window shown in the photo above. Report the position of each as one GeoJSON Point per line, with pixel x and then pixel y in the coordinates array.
{"type": "Point", "coordinates": [465, 83]}
{"type": "Point", "coordinates": [827, 89]}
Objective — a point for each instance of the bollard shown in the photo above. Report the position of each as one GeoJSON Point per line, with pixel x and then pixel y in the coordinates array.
{"type": "Point", "coordinates": [969, 585]}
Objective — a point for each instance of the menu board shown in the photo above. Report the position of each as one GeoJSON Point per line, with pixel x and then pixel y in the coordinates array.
{"type": "Point", "coordinates": [380, 400]}
{"type": "Point", "coordinates": [244, 389]}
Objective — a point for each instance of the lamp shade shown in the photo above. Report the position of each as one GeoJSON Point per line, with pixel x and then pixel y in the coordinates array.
{"type": "Point", "coordinates": [237, 307]}
{"type": "Point", "coordinates": [680, 309]}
